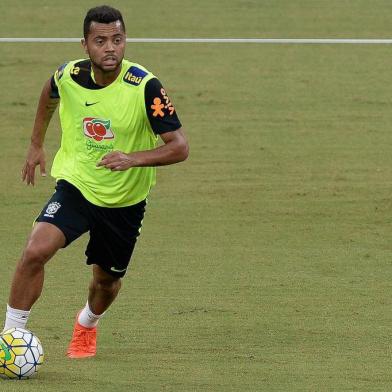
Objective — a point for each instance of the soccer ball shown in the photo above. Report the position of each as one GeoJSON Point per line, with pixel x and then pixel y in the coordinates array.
{"type": "Point", "coordinates": [21, 354]}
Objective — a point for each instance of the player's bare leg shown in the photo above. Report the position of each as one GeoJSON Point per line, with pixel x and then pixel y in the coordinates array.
{"type": "Point", "coordinates": [102, 292]}
{"type": "Point", "coordinates": [26, 287]}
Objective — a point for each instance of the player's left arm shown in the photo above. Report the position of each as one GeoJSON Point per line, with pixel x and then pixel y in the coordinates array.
{"type": "Point", "coordinates": [165, 123]}
{"type": "Point", "coordinates": [175, 149]}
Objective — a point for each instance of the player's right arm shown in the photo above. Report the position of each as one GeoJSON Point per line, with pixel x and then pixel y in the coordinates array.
{"type": "Point", "coordinates": [36, 154]}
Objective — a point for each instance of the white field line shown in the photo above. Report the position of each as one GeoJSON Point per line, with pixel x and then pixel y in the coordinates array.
{"type": "Point", "coordinates": [221, 40]}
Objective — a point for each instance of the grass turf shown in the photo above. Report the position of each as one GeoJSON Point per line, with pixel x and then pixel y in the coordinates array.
{"type": "Point", "coordinates": [264, 263]}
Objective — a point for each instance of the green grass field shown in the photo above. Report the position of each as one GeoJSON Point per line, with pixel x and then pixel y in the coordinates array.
{"type": "Point", "coordinates": [265, 259]}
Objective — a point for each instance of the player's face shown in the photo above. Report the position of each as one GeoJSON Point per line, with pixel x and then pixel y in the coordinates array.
{"type": "Point", "coordinates": [105, 45]}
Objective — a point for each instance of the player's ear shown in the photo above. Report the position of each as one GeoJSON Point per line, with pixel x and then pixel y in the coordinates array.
{"type": "Point", "coordinates": [84, 45]}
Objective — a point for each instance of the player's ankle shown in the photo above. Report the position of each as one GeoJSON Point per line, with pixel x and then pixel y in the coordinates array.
{"type": "Point", "coordinates": [87, 318]}
{"type": "Point", "coordinates": [15, 318]}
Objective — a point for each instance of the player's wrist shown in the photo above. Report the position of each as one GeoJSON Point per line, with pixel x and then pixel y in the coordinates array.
{"type": "Point", "coordinates": [135, 159]}
{"type": "Point", "coordinates": [36, 143]}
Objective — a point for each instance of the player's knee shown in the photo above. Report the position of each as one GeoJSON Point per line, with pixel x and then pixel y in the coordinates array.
{"type": "Point", "coordinates": [34, 256]}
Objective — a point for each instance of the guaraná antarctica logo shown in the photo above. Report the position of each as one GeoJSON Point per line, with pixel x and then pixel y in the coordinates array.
{"type": "Point", "coordinates": [97, 128]}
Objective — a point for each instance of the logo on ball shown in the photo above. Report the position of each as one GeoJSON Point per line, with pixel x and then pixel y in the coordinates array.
{"type": "Point", "coordinates": [97, 128]}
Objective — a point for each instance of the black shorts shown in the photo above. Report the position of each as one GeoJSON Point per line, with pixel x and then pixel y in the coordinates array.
{"type": "Point", "coordinates": [113, 231]}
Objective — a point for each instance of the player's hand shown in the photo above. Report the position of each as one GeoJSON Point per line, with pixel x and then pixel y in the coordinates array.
{"type": "Point", "coordinates": [117, 161]}
{"type": "Point", "coordinates": [35, 157]}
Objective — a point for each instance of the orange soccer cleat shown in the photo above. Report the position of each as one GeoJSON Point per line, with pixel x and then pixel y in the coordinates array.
{"type": "Point", "coordinates": [83, 343]}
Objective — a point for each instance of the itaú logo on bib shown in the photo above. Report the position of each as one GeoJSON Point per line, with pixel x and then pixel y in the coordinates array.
{"type": "Point", "coordinates": [97, 128]}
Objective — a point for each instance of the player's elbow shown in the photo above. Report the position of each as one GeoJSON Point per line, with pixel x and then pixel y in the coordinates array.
{"type": "Point", "coordinates": [182, 150]}
{"type": "Point", "coordinates": [176, 145]}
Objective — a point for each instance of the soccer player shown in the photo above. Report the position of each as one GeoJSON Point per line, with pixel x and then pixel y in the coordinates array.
{"type": "Point", "coordinates": [112, 112]}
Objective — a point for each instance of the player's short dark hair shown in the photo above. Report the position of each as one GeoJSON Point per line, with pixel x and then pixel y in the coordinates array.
{"type": "Point", "coordinates": [101, 14]}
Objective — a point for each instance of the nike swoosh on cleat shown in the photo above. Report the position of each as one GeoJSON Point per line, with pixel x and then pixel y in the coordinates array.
{"type": "Point", "coordinates": [89, 104]}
